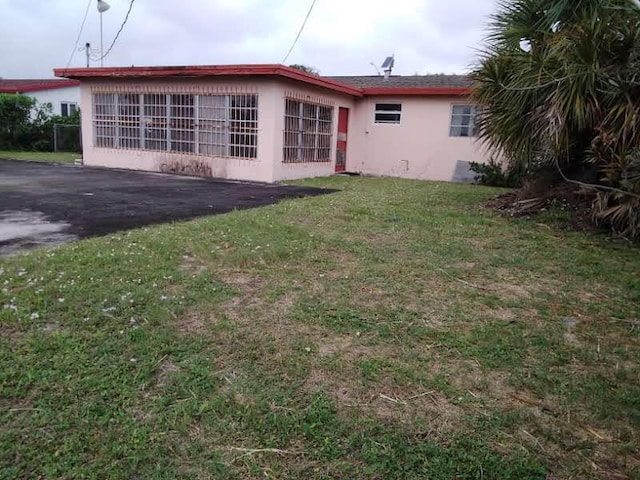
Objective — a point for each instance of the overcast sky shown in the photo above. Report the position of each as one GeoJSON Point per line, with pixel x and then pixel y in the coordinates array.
{"type": "Point", "coordinates": [342, 37]}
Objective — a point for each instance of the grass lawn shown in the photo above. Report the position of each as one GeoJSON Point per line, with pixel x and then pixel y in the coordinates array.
{"type": "Point", "coordinates": [392, 330]}
{"type": "Point", "coordinates": [53, 157]}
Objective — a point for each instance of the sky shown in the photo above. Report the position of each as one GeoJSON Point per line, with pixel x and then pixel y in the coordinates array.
{"type": "Point", "coordinates": [342, 37]}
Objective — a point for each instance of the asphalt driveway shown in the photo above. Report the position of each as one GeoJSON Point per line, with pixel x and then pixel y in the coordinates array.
{"type": "Point", "coordinates": [43, 204]}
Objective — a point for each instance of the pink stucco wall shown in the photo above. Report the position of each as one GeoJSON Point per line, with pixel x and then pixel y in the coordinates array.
{"type": "Point", "coordinates": [419, 147]}
{"type": "Point", "coordinates": [289, 89]}
{"type": "Point", "coordinates": [260, 169]}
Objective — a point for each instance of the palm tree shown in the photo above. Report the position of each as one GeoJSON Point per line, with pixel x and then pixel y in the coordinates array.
{"type": "Point", "coordinates": [560, 82]}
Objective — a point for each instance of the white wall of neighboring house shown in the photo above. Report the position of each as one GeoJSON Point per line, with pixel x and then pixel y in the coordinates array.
{"type": "Point", "coordinates": [56, 96]}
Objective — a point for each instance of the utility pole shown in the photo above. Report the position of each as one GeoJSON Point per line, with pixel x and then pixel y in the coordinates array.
{"type": "Point", "coordinates": [87, 51]}
{"type": "Point", "coordinates": [102, 7]}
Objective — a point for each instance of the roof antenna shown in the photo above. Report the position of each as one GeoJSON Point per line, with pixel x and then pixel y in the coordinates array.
{"type": "Point", "coordinates": [376, 68]}
{"type": "Point", "coordinates": [387, 66]}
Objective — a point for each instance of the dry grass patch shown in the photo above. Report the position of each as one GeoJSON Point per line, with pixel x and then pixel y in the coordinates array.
{"type": "Point", "coordinates": [165, 370]}
{"type": "Point", "coordinates": [191, 264]}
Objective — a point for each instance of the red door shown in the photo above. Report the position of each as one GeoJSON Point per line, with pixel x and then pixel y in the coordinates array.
{"type": "Point", "coordinates": [341, 150]}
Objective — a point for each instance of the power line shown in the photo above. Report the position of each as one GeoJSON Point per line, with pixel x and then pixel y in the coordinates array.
{"type": "Point", "coordinates": [313, 4]}
{"type": "Point", "coordinates": [75, 47]}
{"type": "Point", "coordinates": [115, 39]}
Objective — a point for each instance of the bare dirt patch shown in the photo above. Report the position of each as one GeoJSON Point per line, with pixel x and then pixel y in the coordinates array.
{"type": "Point", "coordinates": [193, 265]}
{"type": "Point", "coordinates": [506, 314]}
{"type": "Point", "coordinates": [166, 368]}
{"type": "Point", "coordinates": [196, 322]}
{"type": "Point", "coordinates": [464, 265]}
{"type": "Point", "coordinates": [389, 403]}
{"type": "Point", "coordinates": [510, 291]}
{"type": "Point", "coordinates": [344, 346]}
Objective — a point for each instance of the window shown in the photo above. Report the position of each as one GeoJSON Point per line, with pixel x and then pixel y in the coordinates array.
{"type": "Point", "coordinates": [128, 133]}
{"type": "Point", "coordinates": [213, 125]}
{"type": "Point", "coordinates": [155, 121]}
{"type": "Point", "coordinates": [388, 112]}
{"type": "Point", "coordinates": [68, 108]}
{"type": "Point", "coordinates": [308, 131]}
{"type": "Point", "coordinates": [463, 121]}
{"type": "Point", "coordinates": [105, 120]}
{"type": "Point", "coordinates": [243, 122]}
{"type": "Point", "coordinates": [182, 131]}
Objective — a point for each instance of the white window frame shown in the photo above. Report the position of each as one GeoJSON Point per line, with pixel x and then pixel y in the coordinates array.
{"type": "Point", "coordinates": [377, 111]}
{"type": "Point", "coordinates": [72, 107]}
{"type": "Point", "coordinates": [177, 123]}
{"type": "Point", "coordinates": [456, 121]}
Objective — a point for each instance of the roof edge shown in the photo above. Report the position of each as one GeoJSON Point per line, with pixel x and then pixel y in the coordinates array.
{"type": "Point", "coordinates": [277, 70]}
{"type": "Point", "coordinates": [423, 91]}
{"type": "Point", "coordinates": [39, 87]}
{"type": "Point", "coordinates": [208, 71]}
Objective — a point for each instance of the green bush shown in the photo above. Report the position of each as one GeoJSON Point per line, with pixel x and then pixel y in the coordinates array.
{"type": "Point", "coordinates": [494, 174]}
{"type": "Point", "coordinates": [15, 120]}
{"type": "Point", "coordinates": [558, 84]}
{"type": "Point", "coordinates": [26, 125]}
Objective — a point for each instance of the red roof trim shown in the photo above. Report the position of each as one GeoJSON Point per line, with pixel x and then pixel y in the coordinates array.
{"type": "Point", "coordinates": [208, 71]}
{"type": "Point", "coordinates": [36, 87]}
{"type": "Point", "coordinates": [430, 91]}
{"type": "Point", "coordinates": [246, 70]}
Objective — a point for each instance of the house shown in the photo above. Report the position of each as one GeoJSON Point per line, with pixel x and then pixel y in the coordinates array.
{"type": "Point", "coordinates": [272, 122]}
{"type": "Point", "coordinates": [62, 94]}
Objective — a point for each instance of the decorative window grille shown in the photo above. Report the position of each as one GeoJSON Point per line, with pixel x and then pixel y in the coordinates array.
{"type": "Point", "coordinates": [105, 120]}
{"type": "Point", "coordinates": [212, 125]}
{"type": "Point", "coordinates": [214, 137]}
{"type": "Point", "coordinates": [308, 130]}
{"type": "Point", "coordinates": [182, 132]}
{"type": "Point", "coordinates": [388, 112]}
{"type": "Point", "coordinates": [463, 121]}
{"type": "Point", "coordinates": [155, 121]}
{"type": "Point", "coordinates": [129, 120]}
{"type": "Point", "coordinates": [243, 113]}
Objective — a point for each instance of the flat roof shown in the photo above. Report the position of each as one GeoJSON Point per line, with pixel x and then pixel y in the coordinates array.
{"type": "Point", "coordinates": [195, 71]}
{"type": "Point", "coordinates": [451, 85]}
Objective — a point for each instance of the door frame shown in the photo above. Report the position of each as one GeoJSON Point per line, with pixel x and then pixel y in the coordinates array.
{"type": "Point", "coordinates": [341, 141]}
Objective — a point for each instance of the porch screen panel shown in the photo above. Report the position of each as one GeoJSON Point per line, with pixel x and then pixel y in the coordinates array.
{"type": "Point", "coordinates": [291, 131]}
{"type": "Point", "coordinates": [210, 125]}
{"type": "Point", "coordinates": [155, 121]}
{"type": "Point", "coordinates": [105, 120]}
{"type": "Point", "coordinates": [212, 131]}
{"type": "Point", "coordinates": [243, 118]}
{"type": "Point", "coordinates": [129, 121]}
{"type": "Point", "coordinates": [308, 131]}
{"type": "Point", "coordinates": [325, 131]}
{"type": "Point", "coordinates": [182, 123]}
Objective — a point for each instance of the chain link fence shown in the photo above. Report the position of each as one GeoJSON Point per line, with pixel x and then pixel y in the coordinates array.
{"type": "Point", "coordinates": [67, 138]}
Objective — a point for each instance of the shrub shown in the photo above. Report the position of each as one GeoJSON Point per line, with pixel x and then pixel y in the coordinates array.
{"type": "Point", "coordinates": [494, 174]}
{"type": "Point", "coordinates": [26, 125]}
{"type": "Point", "coordinates": [15, 120]}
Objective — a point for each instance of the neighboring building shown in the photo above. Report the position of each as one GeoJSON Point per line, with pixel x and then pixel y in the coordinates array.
{"type": "Point", "coordinates": [271, 122]}
{"type": "Point", "coordinates": [63, 95]}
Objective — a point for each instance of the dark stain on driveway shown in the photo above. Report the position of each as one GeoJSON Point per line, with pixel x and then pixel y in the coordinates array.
{"type": "Point", "coordinates": [80, 202]}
